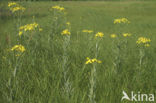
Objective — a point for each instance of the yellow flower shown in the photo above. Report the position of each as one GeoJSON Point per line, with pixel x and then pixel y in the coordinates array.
{"type": "Point", "coordinates": [18, 48]}
{"type": "Point", "coordinates": [126, 34]}
{"type": "Point", "coordinates": [58, 8]}
{"type": "Point", "coordinates": [65, 32]}
{"type": "Point", "coordinates": [147, 45]}
{"type": "Point", "coordinates": [124, 20]}
{"type": "Point", "coordinates": [113, 35]}
{"type": "Point", "coordinates": [143, 40]}
{"type": "Point", "coordinates": [22, 27]}
{"type": "Point", "coordinates": [98, 61]}
{"type": "Point", "coordinates": [117, 21]}
{"type": "Point", "coordinates": [11, 4]}
{"type": "Point", "coordinates": [121, 20]}
{"type": "Point", "coordinates": [14, 9]}
{"type": "Point", "coordinates": [99, 34]}
{"type": "Point", "coordinates": [87, 31]}
{"type": "Point", "coordinates": [90, 61]}
{"type": "Point", "coordinates": [20, 33]}
{"type": "Point", "coordinates": [28, 27]}
{"type": "Point", "coordinates": [61, 9]}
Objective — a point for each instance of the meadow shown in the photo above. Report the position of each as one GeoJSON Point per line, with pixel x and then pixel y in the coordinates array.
{"type": "Point", "coordinates": [79, 52]}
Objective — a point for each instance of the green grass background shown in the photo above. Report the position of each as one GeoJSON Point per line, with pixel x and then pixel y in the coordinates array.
{"type": "Point", "coordinates": [39, 79]}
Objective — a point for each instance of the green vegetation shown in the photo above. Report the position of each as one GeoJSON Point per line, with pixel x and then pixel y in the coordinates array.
{"type": "Point", "coordinates": [52, 68]}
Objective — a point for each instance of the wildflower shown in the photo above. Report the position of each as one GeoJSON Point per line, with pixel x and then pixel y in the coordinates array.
{"type": "Point", "coordinates": [147, 45]}
{"type": "Point", "coordinates": [121, 20]}
{"type": "Point", "coordinates": [65, 32]}
{"type": "Point", "coordinates": [113, 35]}
{"type": "Point", "coordinates": [20, 33]}
{"type": "Point", "coordinates": [90, 61]}
{"type": "Point", "coordinates": [28, 27]}
{"type": "Point", "coordinates": [144, 41]}
{"type": "Point", "coordinates": [22, 27]}
{"type": "Point", "coordinates": [117, 21]}
{"type": "Point", "coordinates": [87, 31]}
{"type": "Point", "coordinates": [126, 34]}
{"type": "Point", "coordinates": [58, 8]}
{"type": "Point", "coordinates": [18, 8]}
{"type": "Point", "coordinates": [11, 4]}
{"type": "Point", "coordinates": [15, 7]}
{"type": "Point", "coordinates": [124, 20]}
{"type": "Point", "coordinates": [61, 9]}
{"type": "Point", "coordinates": [18, 48]}
{"type": "Point", "coordinates": [99, 34]}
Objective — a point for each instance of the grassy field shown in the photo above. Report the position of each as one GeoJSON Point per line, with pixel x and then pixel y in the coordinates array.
{"type": "Point", "coordinates": [53, 67]}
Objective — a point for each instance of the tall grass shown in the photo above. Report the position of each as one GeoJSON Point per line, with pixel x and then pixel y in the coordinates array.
{"type": "Point", "coordinates": [52, 69]}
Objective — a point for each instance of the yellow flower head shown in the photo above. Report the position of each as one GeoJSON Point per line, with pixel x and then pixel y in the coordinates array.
{"type": "Point", "coordinates": [125, 20]}
{"type": "Point", "coordinates": [15, 7]}
{"type": "Point", "coordinates": [117, 21]}
{"type": "Point", "coordinates": [147, 45]}
{"type": "Point", "coordinates": [18, 48]}
{"type": "Point", "coordinates": [113, 35]}
{"type": "Point", "coordinates": [58, 8]}
{"type": "Point", "coordinates": [18, 8]}
{"type": "Point", "coordinates": [12, 4]}
{"type": "Point", "coordinates": [61, 9]}
{"type": "Point", "coordinates": [144, 41]}
{"type": "Point", "coordinates": [90, 61]}
{"type": "Point", "coordinates": [28, 27]}
{"type": "Point", "coordinates": [99, 34]}
{"type": "Point", "coordinates": [126, 34]}
{"type": "Point", "coordinates": [121, 20]}
{"type": "Point", "coordinates": [87, 31]}
{"type": "Point", "coordinates": [20, 33]}
{"type": "Point", "coordinates": [65, 32]}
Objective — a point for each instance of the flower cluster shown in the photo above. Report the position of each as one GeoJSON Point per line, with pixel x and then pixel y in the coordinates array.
{"type": "Point", "coordinates": [113, 35]}
{"type": "Point", "coordinates": [12, 4]}
{"type": "Point", "coordinates": [87, 31]}
{"type": "Point", "coordinates": [29, 27]}
{"type": "Point", "coordinates": [126, 34]}
{"type": "Point", "coordinates": [18, 48]}
{"type": "Point", "coordinates": [99, 34]}
{"type": "Point", "coordinates": [65, 32]}
{"type": "Point", "coordinates": [90, 61]}
{"type": "Point", "coordinates": [58, 8]}
{"type": "Point", "coordinates": [143, 40]}
{"type": "Point", "coordinates": [122, 20]}
{"type": "Point", "coordinates": [15, 7]}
